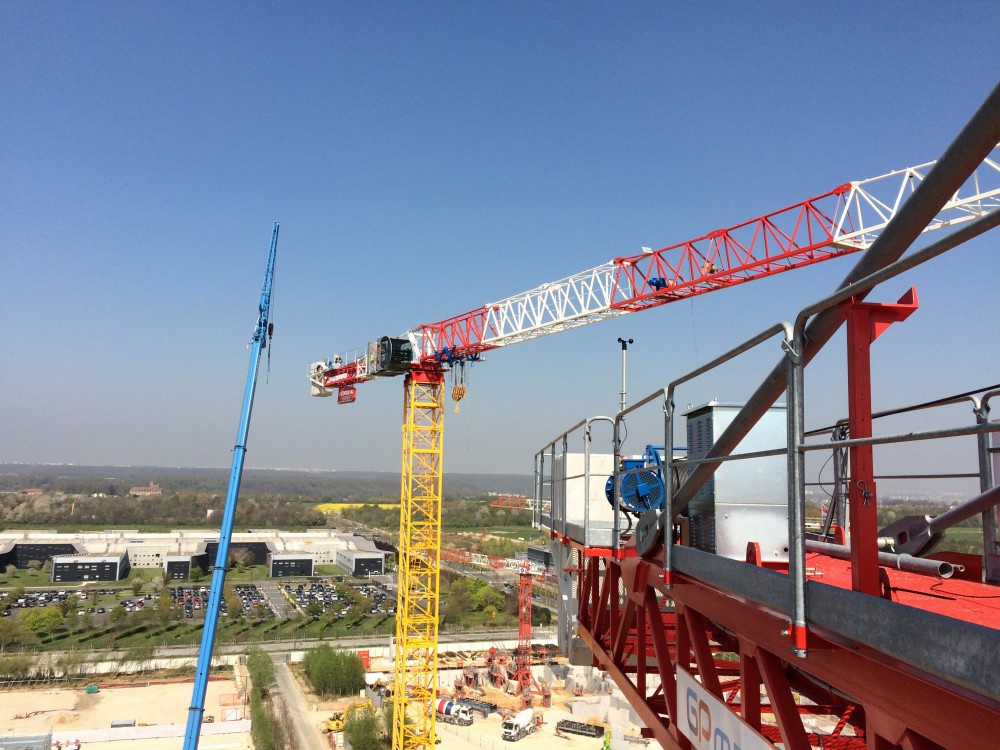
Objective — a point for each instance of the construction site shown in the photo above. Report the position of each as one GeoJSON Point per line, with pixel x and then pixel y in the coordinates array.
{"type": "Point", "coordinates": [479, 692]}
{"type": "Point", "coordinates": [719, 579]}
{"type": "Point", "coordinates": [696, 607]}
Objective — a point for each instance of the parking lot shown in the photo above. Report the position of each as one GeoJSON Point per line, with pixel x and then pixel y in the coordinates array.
{"type": "Point", "coordinates": [318, 596]}
{"type": "Point", "coordinates": [278, 598]}
{"type": "Point", "coordinates": [95, 602]}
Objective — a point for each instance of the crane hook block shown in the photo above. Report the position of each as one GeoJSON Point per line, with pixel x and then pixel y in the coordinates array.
{"type": "Point", "coordinates": [457, 394]}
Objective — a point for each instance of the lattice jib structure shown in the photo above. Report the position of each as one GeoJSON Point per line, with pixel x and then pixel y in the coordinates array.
{"type": "Point", "coordinates": [415, 676]}
{"type": "Point", "coordinates": [845, 220]}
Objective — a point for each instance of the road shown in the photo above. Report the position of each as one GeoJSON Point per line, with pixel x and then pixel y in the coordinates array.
{"type": "Point", "coordinates": [547, 635]}
{"type": "Point", "coordinates": [301, 720]}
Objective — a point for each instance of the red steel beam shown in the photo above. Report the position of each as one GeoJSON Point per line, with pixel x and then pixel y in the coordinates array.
{"type": "Point", "coordinates": [887, 704]}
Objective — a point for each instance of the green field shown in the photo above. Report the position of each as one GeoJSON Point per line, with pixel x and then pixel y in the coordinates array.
{"type": "Point", "coordinates": [962, 539]}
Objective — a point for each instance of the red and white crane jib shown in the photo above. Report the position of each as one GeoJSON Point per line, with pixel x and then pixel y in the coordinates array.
{"type": "Point", "coordinates": [841, 221]}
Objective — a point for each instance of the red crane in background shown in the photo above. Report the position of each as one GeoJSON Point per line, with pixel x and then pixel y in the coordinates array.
{"type": "Point", "coordinates": [522, 657]}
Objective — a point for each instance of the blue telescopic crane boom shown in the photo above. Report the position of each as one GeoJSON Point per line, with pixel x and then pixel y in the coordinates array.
{"type": "Point", "coordinates": [259, 341]}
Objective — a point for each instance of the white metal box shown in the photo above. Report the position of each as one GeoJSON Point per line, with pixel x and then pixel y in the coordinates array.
{"type": "Point", "coordinates": [588, 519]}
{"type": "Point", "coordinates": [746, 500]}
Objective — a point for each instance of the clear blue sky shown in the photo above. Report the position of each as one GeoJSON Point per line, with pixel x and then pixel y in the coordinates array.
{"type": "Point", "coordinates": [423, 159]}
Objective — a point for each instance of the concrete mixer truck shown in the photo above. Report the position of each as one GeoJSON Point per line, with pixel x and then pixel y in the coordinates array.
{"type": "Point", "coordinates": [519, 726]}
{"type": "Point", "coordinates": [451, 712]}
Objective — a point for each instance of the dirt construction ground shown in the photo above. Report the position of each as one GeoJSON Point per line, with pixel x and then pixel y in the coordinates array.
{"type": "Point", "coordinates": [485, 733]}
{"type": "Point", "coordinates": [74, 713]}
{"type": "Point", "coordinates": [161, 708]}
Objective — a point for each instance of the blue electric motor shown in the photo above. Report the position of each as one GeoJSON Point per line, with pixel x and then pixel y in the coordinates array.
{"type": "Point", "coordinates": [642, 483]}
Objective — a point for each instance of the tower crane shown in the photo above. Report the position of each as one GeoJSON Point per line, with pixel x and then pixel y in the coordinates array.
{"type": "Point", "coordinates": [262, 332]}
{"type": "Point", "coordinates": [841, 221]}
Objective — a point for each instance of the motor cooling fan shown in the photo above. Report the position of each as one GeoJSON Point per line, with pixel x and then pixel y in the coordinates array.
{"type": "Point", "coordinates": [642, 485]}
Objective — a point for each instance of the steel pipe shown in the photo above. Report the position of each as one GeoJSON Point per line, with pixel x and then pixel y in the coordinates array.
{"type": "Point", "coordinates": [965, 511]}
{"type": "Point", "coordinates": [909, 563]}
{"type": "Point", "coordinates": [918, 534]}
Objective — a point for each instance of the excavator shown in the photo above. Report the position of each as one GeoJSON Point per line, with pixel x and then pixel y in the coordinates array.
{"type": "Point", "coordinates": [338, 721]}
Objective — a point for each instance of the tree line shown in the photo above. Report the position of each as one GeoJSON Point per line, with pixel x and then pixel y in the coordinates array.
{"type": "Point", "coordinates": [333, 673]}
{"type": "Point", "coordinates": [170, 510]}
{"type": "Point", "coordinates": [455, 514]}
{"type": "Point", "coordinates": [311, 487]}
{"type": "Point", "coordinates": [267, 720]}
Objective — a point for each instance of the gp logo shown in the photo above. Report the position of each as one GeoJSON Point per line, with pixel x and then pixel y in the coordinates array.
{"type": "Point", "coordinates": [709, 723]}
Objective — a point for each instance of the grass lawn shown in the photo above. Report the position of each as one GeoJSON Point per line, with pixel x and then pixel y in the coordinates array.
{"type": "Point", "coordinates": [229, 632]}
{"type": "Point", "coordinates": [28, 578]}
{"type": "Point", "coordinates": [520, 534]}
{"type": "Point", "coordinates": [962, 539]}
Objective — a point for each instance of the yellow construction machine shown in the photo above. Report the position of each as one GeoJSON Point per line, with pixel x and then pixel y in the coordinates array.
{"type": "Point", "coordinates": [337, 722]}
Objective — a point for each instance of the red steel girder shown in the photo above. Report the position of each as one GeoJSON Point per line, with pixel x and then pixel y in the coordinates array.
{"type": "Point", "coordinates": [523, 676]}
{"type": "Point", "coordinates": [510, 501]}
{"type": "Point", "coordinates": [883, 703]}
{"type": "Point", "coordinates": [460, 336]}
{"type": "Point", "coordinates": [799, 235]}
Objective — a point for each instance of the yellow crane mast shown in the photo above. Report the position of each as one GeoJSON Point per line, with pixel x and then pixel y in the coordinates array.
{"type": "Point", "coordinates": [415, 671]}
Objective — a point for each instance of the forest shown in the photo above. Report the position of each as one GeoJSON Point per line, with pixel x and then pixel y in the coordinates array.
{"type": "Point", "coordinates": [455, 514]}
{"type": "Point", "coordinates": [73, 497]}
{"type": "Point", "coordinates": [164, 512]}
{"type": "Point", "coordinates": [314, 487]}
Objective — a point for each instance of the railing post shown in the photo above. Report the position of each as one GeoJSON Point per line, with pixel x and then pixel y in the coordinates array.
{"type": "Point", "coordinates": [795, 458]}
{"type": "Point", "coordinates": [837, 500]}
{"type": "Point", "coordinates": [537, 510]}
{"type": "Point", "coordinates": [668, 487]}
{"type": "Point", "coordinates": [586, 484]}
{"type": "Point", "coordinates": [991, 554]}
{"type": "Point", "coordinates": [865, 322]}
{"type": "Point", "coordinates": [565, 489]}
{"type": "Point", "coordinates": [616, 489]}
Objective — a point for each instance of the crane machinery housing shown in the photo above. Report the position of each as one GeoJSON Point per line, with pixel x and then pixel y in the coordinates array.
{"type": "Point", "coordinates": [857, 216]}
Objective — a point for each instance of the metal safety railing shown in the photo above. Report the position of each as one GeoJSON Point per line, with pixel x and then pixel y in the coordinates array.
{"type": "Point", "coordinates": [554, 478]}
{"type": "Point", "coordinates": [655, 529]}
{"type": "Point", "coordinates": [980, 409]}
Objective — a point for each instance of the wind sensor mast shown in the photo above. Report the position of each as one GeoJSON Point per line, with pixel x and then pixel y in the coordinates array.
{"type": "Point", "coordinates": [261, 334]}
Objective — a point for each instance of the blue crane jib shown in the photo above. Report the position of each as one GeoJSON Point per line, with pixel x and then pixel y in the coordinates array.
{"type": "Point", "coordinates": [261, 334]}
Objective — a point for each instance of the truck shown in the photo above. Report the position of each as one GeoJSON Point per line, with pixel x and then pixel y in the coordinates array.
{"type": "Point", "coordinates": [451, 712]}
{"type": "Point", "coordinates": [338, 721]}
{"type": "Point", "coordinates": [519, 726]}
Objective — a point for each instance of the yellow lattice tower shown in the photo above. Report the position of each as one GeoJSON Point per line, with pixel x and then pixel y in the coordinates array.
{"type": "Point", "coordinates": [415, 676]}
